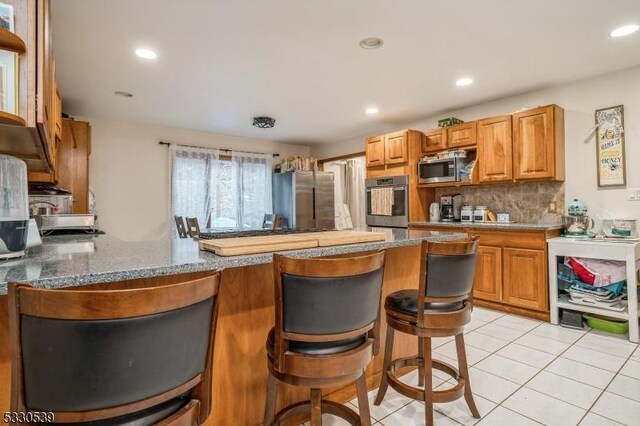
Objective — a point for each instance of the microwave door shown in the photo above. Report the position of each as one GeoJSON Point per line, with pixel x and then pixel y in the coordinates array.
{"type": "Point", "coordinates": [437, 171]}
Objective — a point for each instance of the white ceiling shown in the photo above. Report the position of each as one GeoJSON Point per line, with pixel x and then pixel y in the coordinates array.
{"type": "Point", "coordinates": [220, 63]}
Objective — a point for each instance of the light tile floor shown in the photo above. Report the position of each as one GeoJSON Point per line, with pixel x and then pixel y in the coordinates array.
{"type": "Point", "coordinates": [527, 372]}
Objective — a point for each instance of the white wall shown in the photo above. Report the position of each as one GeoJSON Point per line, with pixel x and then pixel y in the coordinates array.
{"type": "Point", "coordinates": [579, 100]}
{"type": "Point", "coordinates": [129, 173]}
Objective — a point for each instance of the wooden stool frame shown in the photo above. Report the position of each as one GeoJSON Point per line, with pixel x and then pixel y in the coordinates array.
{"type": "Point", "coordinates": [426, 326]}
{"type": "Point", "coordinates": [69, 304]}
{"type": "Point", "coordinates": [319, 371]}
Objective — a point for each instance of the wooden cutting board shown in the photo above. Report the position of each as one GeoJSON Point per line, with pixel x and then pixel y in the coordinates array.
{"type": "Point", "coordinates": [261, 244]}
{"type": "Point", "coordinates": [271, 243]}
{"type": "Point", "coordinates": [337, 238]}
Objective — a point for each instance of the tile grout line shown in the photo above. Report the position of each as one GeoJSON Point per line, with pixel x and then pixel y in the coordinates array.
{"type": "Point", "coordinates": [606, 387]}
{"type": "Point", "coordinates": [446, 381]}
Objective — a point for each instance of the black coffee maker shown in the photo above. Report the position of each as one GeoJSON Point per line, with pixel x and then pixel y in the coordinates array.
{"type": "Point", "coordinates": [450, 207]}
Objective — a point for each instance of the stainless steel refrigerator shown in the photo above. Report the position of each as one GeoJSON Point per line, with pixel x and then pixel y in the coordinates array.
{"type": "Point", "coordinates": [304, 199]}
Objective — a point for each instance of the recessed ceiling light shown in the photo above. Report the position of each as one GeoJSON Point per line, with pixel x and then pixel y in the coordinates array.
{"type": "Point", "coordinates": [371, 110]}
{"type": "Point", "coordinates": [464, 81]}
{"type": "Point", "coordinates": [123, 94]}
{"type": "Point", "coordinates": [625, 30]}
{"type": "Point", "coordinates": [371, 43]}
{"type": "Point", "coordinates": [146, 53]}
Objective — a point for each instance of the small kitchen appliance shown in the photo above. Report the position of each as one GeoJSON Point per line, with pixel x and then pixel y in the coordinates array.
{"type": "Point", "coordinates": [14, 207]}
{"type": "Point", "coordinates": [438, 170]}
{"type": "Point", "coordinates": [577, 224]}
{"type": "Point", "coordinates": [466, 214]}
{"type": "Point", "coordinates": [434, 212]}
{"type": "Point", "coordinates": [450, 207]}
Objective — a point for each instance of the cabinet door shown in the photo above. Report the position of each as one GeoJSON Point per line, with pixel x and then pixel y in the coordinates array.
{"type": "Point", "coordinates": [495, 162]}
{"type": "Point", "coordinates": [434, 140]}
{"type": "Point", "coordinates": [534, 144]}
{"type": "Point", "coordinates": [375, 151]}
{"type": "Point", "coordinates": [395, 148]}
{"type": "Point", "coordinates": [525, 278]}
{"type": "Point", "coordinates": [488, 280]}
{"type": "Point", "coordinates": [73, 162]}
{"type": "Point", "coordinates": [461, 135]}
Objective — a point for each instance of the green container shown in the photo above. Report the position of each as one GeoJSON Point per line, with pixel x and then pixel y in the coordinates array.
{"type": "Point", "coordinates": [449, 121]}
{"type": "Point", "coordinates": [609, 325]}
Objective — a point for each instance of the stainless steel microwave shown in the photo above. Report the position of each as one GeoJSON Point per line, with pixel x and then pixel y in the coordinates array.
{"type": "Point", "coordinates": [440, 170]}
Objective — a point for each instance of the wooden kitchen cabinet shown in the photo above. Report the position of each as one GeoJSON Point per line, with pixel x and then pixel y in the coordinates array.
{"type": "Point", "coordinates": [511, 268]}
{"type": "Point", "coordinates": [375, 151]}
{"type": "Point", "coordinates": [389, 149]}
{"type": "Point", "coordinates": [462, 135]}
{"type": "Point", "coordinates": [538, 144]}
{"type": "Point", "coordinates": [524, 271]}
{"type": "Point", "coordinates": [32, 137]}
{"type": "Point", "coordinates": [434, 141]}
{"type": "Point", "coordinates": [494, 157]}
{"type": "Point", "coordinates": [74, 149]}
{"type": "Point", "coordinates": [488, 280]}
{"type": "Point", "coordinates": [395, 148]}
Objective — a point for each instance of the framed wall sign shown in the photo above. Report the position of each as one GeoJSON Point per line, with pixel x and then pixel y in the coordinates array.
{"type": "Point", "coordinates": [610, 146]}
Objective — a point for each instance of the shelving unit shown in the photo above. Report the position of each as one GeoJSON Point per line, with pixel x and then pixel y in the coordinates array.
{"type": "Point", "coordinates": [627, 251]}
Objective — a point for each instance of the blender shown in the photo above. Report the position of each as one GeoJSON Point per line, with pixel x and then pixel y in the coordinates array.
{"type": "Point", "coordinates": [577, 224]}
{"type": "Point", "coordinates": [14, 207]}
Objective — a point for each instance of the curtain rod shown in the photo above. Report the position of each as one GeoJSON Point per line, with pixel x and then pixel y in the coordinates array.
{"type": "Point", "coordinates": [220, 149]}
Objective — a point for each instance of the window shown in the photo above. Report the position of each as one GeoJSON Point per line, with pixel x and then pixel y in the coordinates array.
{"type": "Point", "coordinates": [222, 191]}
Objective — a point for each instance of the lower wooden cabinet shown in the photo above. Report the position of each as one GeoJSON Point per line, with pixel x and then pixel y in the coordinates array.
{"type": "Point", "coordinates": [488, 281]}
{"type": "Point", "coordinates": [523, 273]}
{"type": "Point", "coordinates": [511, 269]}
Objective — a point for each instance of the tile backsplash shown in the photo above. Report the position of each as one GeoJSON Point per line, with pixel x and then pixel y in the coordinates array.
{"type": "Point", "coordinates": [526, 202]}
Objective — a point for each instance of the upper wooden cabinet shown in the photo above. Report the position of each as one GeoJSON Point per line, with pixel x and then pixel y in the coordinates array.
{"type": "Point", "coordinates": [375, 151]}
{"type": "Point", "coordinates": [395, 148]}
{"type": "Point", "coordinates": [39, 103]}
{"type": "Point", "coordinates": [387, 149]}
{"type": "Point", "coordinates": [494, 159]}
{"type": "Point", "coordinates": [434, 140]}
{"type": "Point", "coordinates": [462, 135]}
{"type": "Point", "coordinates": [538, 143]}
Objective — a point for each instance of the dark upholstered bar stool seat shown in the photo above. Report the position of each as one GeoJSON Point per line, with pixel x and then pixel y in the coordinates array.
{"type": "Point", "coordinates": [440, 307]}
{"type": "Point", "coordinates": [139, 354]}
{"type": "Point", "coordinates": [326, 333]}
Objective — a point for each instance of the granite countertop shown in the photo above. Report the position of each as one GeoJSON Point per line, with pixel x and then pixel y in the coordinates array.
{"type": "Point", "coordinates": [67, 261]}
{"type": "Point", "coordinates": [492, 225]}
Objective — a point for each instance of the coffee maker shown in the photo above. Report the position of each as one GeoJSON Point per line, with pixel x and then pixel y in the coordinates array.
{"type": "Point", "coordinates": [450, 207]}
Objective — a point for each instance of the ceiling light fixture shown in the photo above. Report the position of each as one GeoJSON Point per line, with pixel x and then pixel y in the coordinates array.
{"type": "Point", "coordinates": [371, 110]}
{"type": "Point", "coordinates": [464, 82]}
{"type": "Point", "coordinates": [371, 43]}
{"type": "Point", "coordinates": [123, 94]}
{"type": "Point", "coordinates": [146, 53]}
{"type": "Point", "coordinates": [264, 122]}
{"type": "Point", "coordinates": [624, 30]}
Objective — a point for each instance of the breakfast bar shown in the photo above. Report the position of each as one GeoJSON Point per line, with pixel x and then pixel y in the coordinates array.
{"type": "Point", "coordinates": [246, 302]}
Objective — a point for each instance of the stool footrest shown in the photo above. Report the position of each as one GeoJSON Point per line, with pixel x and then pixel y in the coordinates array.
{"type": "Point", "coordinates": [409, 391]}
{"type": "Point", "coordinates": [301, 412]}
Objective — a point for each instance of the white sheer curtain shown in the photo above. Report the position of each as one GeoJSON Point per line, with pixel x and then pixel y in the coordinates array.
{"type": "Point", "coordinates": [233, 191]}
{"type": "Point", "coordinates": [354, 193]}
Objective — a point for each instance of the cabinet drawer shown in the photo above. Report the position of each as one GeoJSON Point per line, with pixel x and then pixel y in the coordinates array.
{"type": "Point", "coordinates": [533, 240]}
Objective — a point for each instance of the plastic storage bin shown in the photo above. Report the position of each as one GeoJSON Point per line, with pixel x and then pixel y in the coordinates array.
{"type": "Point", "coordinates": [609, 325]}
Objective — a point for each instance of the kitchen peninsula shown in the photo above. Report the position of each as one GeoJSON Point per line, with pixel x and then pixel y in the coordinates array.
{"type": "Point", "coordinates": [246, 301]}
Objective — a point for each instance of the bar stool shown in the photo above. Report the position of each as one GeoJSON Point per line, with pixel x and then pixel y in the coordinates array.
{"type": "Point", "coordinates": [326, 332]}
{"type": "Point", "coordinates": [129, 356]}
{"type": "Point", "coordinates": [440, 307]}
